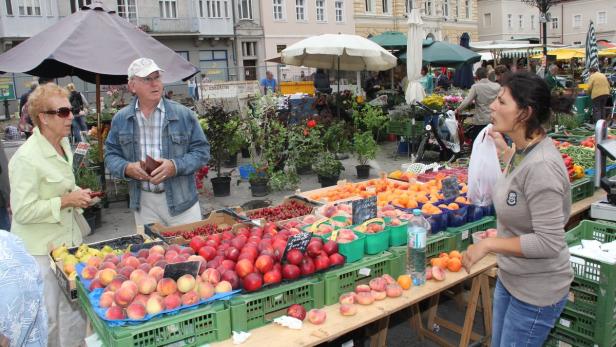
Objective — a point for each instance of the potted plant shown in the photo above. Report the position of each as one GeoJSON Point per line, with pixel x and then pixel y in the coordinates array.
{"type": "Point", "coordinates": [235, 144]}
{"type": "Point", "coordinates": [215, 122]}
{"type": "Point", "coordinates": [88, 178]}
{"type": "Point", "coordinates": [328, 169]}
{"type": "Point", "coordinates": [365, 148]}
{"type": "Point", "coordinates": [369, 118]}
{"type": "Point", "coordinates": [305, 144]}
{"type": "Point", "coordinates": [335, 138]}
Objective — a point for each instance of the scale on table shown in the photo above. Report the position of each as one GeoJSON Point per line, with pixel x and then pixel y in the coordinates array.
{"type": "Point", "coordinates": [605, 209]}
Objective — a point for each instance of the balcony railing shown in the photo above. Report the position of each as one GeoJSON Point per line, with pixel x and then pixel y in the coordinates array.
{"type": "Point", "coordinates": [167, 25]}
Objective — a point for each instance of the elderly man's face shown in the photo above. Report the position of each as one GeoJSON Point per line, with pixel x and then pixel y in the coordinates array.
{"type": "Point", "coordinates": [269, 75]}
{"type": "Point", "coordinates": [148, 88]}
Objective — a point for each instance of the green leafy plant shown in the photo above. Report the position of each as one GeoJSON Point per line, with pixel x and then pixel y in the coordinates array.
{"type": "Point", "coordinates": [283, 180]}
{"type": "Point", "coordinates": [304, 145]}
{"type": "Point", "coordinates": [336, 137]}
{"type": "Point", "coordinates": [364, 147]}
{"type": "Point", "coordinates": [326, 165]}
{"type": "Point", "coordinates": [220, 127]}
{"type": "Point", "coordinates": [88, 178]}
{"type": "Point", "coordinates": [369, 118]}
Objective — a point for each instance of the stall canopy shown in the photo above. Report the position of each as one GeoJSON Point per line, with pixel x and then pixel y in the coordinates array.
{"type": "Point", "coordinates": [390, 40]}
{"type": "Point", "coordinates": [91, 42]}
{"type": "Point", "coordinates": [563, 53]}
{"type": "Point", "coordinates": [439, 53]}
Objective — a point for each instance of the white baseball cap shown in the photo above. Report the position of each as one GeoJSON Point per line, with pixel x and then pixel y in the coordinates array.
{"type": "Point", "coordinates": [142, 67]}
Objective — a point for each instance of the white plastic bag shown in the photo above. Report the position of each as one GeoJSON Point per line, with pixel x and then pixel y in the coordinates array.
{"type": "Point", "coordinates": [483, 169]}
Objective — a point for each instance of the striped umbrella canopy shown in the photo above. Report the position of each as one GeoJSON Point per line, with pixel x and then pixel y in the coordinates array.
{"type": "Point", "coordinates": [592, 55]}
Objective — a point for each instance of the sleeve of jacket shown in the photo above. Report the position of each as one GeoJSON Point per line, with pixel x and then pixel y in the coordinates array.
{"type": "Point", "coordinates": [27, 205]}
{"type": "Point", "coordinates": [469, 98]}
{"type": "Point", "coordinates": [198, 153]}
{"type": "Point", "coordinates": [114, 157]}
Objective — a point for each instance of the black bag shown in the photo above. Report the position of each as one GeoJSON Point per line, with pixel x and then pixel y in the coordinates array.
{"type": "Point", "coordinates": [76, 103]}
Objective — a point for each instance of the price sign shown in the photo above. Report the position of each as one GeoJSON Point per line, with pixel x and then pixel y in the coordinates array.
{"type": "Point", "coordinates": [299, 241]}
{"type": "Point", "coordinates": [364, 209]}
{"type": "Point", "coordinates": [80, 154]}
{"type": "Point", "coordinates": [177, 270]}
{"type": "Point", "coordinates": [451, 188]}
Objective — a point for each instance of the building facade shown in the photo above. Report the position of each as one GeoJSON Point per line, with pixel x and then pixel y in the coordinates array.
{"type": "Point", "coordinates": [508, 20]}
{"type": "Point", "coordinates": [444, 20]}
{"type": "Point", "coordinates": [570, 20]}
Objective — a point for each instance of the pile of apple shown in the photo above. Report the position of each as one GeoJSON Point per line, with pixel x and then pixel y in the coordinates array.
{"type": "Point", "coordinates": [315, 316]}
{"type": "Point", "coordinates": [366, 294]}
{"type": "Point", "coordinates": [134, 285]}
{"type": "Point", "coordinates": [252, 258]}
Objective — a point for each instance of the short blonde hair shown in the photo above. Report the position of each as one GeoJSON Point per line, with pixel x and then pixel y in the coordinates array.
{"type": "Point", "coordinates": [38, 101]}
{"type": "Point", "coordinates": [70, 87]}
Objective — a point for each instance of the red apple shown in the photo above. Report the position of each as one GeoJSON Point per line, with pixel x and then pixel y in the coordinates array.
{"type": "Point", "coordinates": [264, 263]}
{"type": "Point", "coordinates": [244, 267]}
{"type": "Point", "coordinates": [321, 262]}
{"type": "Point", "coordinates": [336, 259]}
{"type": "Point", "coordinates": [252, 282]}
{"type": "Point", "coordinates": [296, 311]}
{"type": "Point", "coordinates": [290, 271]}
{"type": "Point", "coordinates": [314, 249]}
{"type": "Point", "coordinates": [273, 276]}
{"type": "Point", "coordinates": [330, 247]}
{"type": "Point", "coordinates": [208, 253]}
{"type": "Point", "coordinates": [307, 266]}
{"type": "Point", "coordinates": [232, 253]}
{"type": "Point", "coordinates": [231, 277]}
{"type": "Point", "coordinates": [294, 257]}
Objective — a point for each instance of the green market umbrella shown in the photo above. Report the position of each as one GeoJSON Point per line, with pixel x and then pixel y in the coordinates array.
{"type": "Point", "coordinates": [439, 53]}
{"type": "Point", "coordinates": [390, 40]}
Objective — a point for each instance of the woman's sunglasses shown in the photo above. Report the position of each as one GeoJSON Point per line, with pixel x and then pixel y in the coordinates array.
{"type": "Point", "coordinates": [62, 112]}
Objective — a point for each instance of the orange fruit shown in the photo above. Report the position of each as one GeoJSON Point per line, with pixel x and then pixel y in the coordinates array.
{"type": "Point", "coordinates": [443, 255]}
{"type": "Point", "coordinates": [454, 264]}
{"type": "Point", "coordinates": [405, 281]}
{"type": "Point", "coordinates": [460, 200]}
{"type": "Point", "coordinates": [453, 206]}
{"type": "Point", "coordinates": [455, 254]}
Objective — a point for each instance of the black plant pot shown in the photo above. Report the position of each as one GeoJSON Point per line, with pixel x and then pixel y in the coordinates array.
{"type": "Point", "coordinates": [245, 152]}
{"type": "Point", "coordinates": [363, 171]}
{"type": "Point", "coordinates": [304, 170]}
{"type": "Point", "coordinates": [231, 162]}
{"type": "Point", "coordinates": [327, 181]}
{"type": "Point", "coordinates": [90, 215]}
{"type": "Point", "coordinates": [221, 186]}
{"type": "Point", "coordinates": [259, 188]}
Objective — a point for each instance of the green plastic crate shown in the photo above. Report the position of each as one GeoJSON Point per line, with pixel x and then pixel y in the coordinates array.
{"type": "Point", "coordinates": [464, 233]}
{"type": "Point", "coordinates": [582, 188]}
{"type": "Point", "coordinates": [250, 311]}
{"type": "Point", "coordinates": [600, 332]}
{"type": "Point", "coordinates": [565, 338]}
{"type": "Point", "coordinates": [348, 277]}
{"type": "Point", "coordinates": [191, 327]}
{"type": "Point", "coordinates": [405, 128]}
{"type": "Point", "coordinates": [439, 243]}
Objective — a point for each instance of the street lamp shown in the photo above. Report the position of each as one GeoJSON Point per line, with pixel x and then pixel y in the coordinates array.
{"type": "Point", "coordinates": [544, 19]}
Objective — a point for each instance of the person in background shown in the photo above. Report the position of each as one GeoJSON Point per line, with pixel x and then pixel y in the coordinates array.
{"type": "Point", "coordinates": [599, 90]}
{"type": "Point", "coordinates": [533, 202]}
{"type": "Point", "coordinates": [483, 92]}
{"type": "Point", "coordinates": [5, 191]}
{"type": "Point", "coordinates": [373, 85]}
{"type": "Point", "coordinates": [442, 81]}
{"type": "Point", "coordinates": [169, 95]}
{"type": "Point", "coordinates": [23, 318]}
{"type": "Point", "coordinates": [269, 84]}
{"type": "Point", "coordinates": [321, 82]}
{"type": "Point", "coordinates": [550, 77]}
{"type": "Point", "coordinates": [46, 201]}
{"type": "Point", "coordinates": [491, 73]}
{"type": "Point", "coordinates": [426, 80]}
{"type": "Point", "coordinates": [25, 123]}
{"type": "Point", "coordinates": [501, 73]}
{"type": "Point", "coordinates": [169, 133]}
{"type": "Point", "coordinates": [79, 114]}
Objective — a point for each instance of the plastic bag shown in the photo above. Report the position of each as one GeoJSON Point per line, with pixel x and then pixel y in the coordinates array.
{"type": "Point", "coordinates": [483, 169]}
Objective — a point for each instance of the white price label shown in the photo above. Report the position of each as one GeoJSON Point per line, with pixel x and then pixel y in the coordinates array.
{"type": "Point", "coordinates": [348, 344]}
{"type": "Point", "coordinates": [566, 323]}
{"type": "Point", "coordinates": [256, 222]}
{"type": "Point", "coordinates": [364, 271]}
{"type": "Point", "coordinates": [571, 297]}
{"type": "Point", "coordinates": [465, 235]}
{"type": "Point", "coordinates": [563, 344]}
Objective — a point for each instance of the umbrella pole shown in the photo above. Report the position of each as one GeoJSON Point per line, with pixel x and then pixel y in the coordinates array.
{"type": "Point", "coordinates": [339, 92]}
{"type": "Point", "coordinates": [99, 133]}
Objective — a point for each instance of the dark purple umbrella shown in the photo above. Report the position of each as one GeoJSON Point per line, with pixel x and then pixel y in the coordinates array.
{"type": "Point", "coordinates": [91, 42]}
{"type": "Point", "coordinates": [463, 77]}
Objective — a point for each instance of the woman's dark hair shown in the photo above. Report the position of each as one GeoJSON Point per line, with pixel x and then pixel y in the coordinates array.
{"type": "Point", "coordinates": [424, 70]}
{"type": "Point", "coordinates": [530, 90]}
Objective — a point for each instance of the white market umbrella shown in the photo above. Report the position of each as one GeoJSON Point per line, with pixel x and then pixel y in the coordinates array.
{"type": "Point", "coordinates": [414, 50]}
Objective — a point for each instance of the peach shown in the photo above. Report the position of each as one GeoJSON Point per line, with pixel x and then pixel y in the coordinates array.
{"type": "Point", "coordinates": [166, 286]}
{"type": "Point", "coordinates": [136, 310]}
{"type": "Point", "coordinates": [170, 255]}
{"type": "Point", "coordinates": [428, 273]}
{"type": "Point", "coordinates": [112, 258]}
{"type": "Point", "coordinates": [157, 249]}
{"type": "Point", "coordinates": [114, 285]}
{"type": "Point", "coordinates": [378, 295]}
{"type": "Point", "coordinates": [205, 290]}
{"type": "Point", "coordinates": [172, 301]}
{"type": "Point", "coordinates": [364, 298]}
{"type": "Point", "coordinates": [89, 272]}
{"type": "Point", "coordinates": [69, 268]}
{"type": "Point", "coordinates": [316, 316]}
{"type": "Point", "coordinates": [362, 288]}
{"type": "Point", "coordinates": [125, 271]}
{"type": "Point", "coordinates": [153, 258]}
{"type": "Point", "coordinates": [154, 304]}
{"type": "Point", "coordinates": [394, 290]}
{"type": "Point", "coordinates": [137, 275]}
{"type": "Point", "coordinates": [115, 312]}
{"type": "Point", "coordinates": [95, 284]}
{"type": "Point", "coordinates": [94, 261]}
{"type": "Point", "coordinates": [186, 283]}
{"type": "Point", "coordinates": [347, 298]}
{"type": "Point", "coordinates": [107, 265]}
{"type": "Point", "coordinates": [131, 285]}
{"type": "Point", "coordinates": [438, 273]}
{"type": "Point", "coordinates": [348, 309]}
{"type": "Point", "coordinates": [157, 272]}
{"type": "Point", "coordinates": [190, 298]}
{"type": "Point", "coordinates": [379, 284]}
{"type": "Point", "coordinates": [141, 298]}
{"type": "Point", "coordinates": [106, 299]}
{"type": "Point", "coordinates": [223, 287]}
{"type": "Point", "coordinates": [132, 262]}
{"type": "Point", "coordinates": [211, 275]}
{"type": "Point", "coordinates": [124, 296]}
{"type": "Point", "coordinates": [147, 285]}
{"type": "Point", "coordinates": [145, 267]}
{"type": "Point", "coordinates": [106, 276]}
{"type": "Point", "coordinates": [388, 279]}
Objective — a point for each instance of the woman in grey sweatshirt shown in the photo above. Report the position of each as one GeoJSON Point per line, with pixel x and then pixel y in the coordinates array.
{"type": "Point", "coordinates": [532, 201]}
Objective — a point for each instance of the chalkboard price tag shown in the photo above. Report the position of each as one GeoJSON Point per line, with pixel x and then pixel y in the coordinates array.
{"type": "Point", "coordinates": [364, 209]}
{"type": "Point", "coordinates": [177, 270]}
{"type": "Point", "coordinates": [299, 241]}
{"type": "Point", "coordinates": [451, 188]}
{"type": "Point", "coordinates": [139, 246]}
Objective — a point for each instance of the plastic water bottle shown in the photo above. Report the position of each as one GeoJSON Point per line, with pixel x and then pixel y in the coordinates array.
{"type": "Point", "coordinates": [418, 228]}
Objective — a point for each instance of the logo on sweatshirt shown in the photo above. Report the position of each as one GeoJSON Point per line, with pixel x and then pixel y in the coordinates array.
{"type": "Point", "coordinates": [512, 198]}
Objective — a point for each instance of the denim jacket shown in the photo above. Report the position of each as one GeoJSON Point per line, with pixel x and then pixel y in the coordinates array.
{"type": "Point", "coordinates": [183, 142]}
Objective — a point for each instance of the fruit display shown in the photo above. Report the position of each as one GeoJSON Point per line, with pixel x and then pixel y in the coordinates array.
{"type": "Point", "coordinates": [451, 261]}
{"type": "Point", "coordinates": [460, 172]}
{"type": "Point", "coordinates": [575, 171]}
{"type": "Point", "coordinates": [131, 286]}
{"type": "Point", "coordinates": [341, 212]}
{"type": "Point", "coordinates": [289, 209]}
{"type": "Point", "coordinates": [371, 227]}
{"type": "Point", "coordinates": [402, 176]}
{"type": "Point", "coordinates": [203, 230]}
{"type": "Point", "coordinates": [377, 289]}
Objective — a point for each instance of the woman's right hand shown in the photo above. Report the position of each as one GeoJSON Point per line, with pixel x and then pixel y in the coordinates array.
{"type": "Point", "coordinates": [499, 140]}
{"type": "Point", "coordinates": [79, 198]}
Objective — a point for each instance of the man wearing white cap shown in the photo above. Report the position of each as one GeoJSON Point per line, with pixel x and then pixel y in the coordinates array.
{"type": "Point", "coordinates": [153, 127]}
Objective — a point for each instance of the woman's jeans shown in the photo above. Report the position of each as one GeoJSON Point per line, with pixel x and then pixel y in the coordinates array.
{"type": "Point", "coordinates": [518, 324]}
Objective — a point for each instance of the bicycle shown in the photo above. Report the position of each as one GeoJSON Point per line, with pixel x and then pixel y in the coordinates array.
{"type": "Point", "coordinates": [438, 135]}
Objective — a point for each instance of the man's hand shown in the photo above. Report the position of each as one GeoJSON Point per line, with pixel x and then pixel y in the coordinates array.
{"type": "Point", "coordinates": [164, 171]}
{"type": "Point", "coordinates": [135, 171]}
